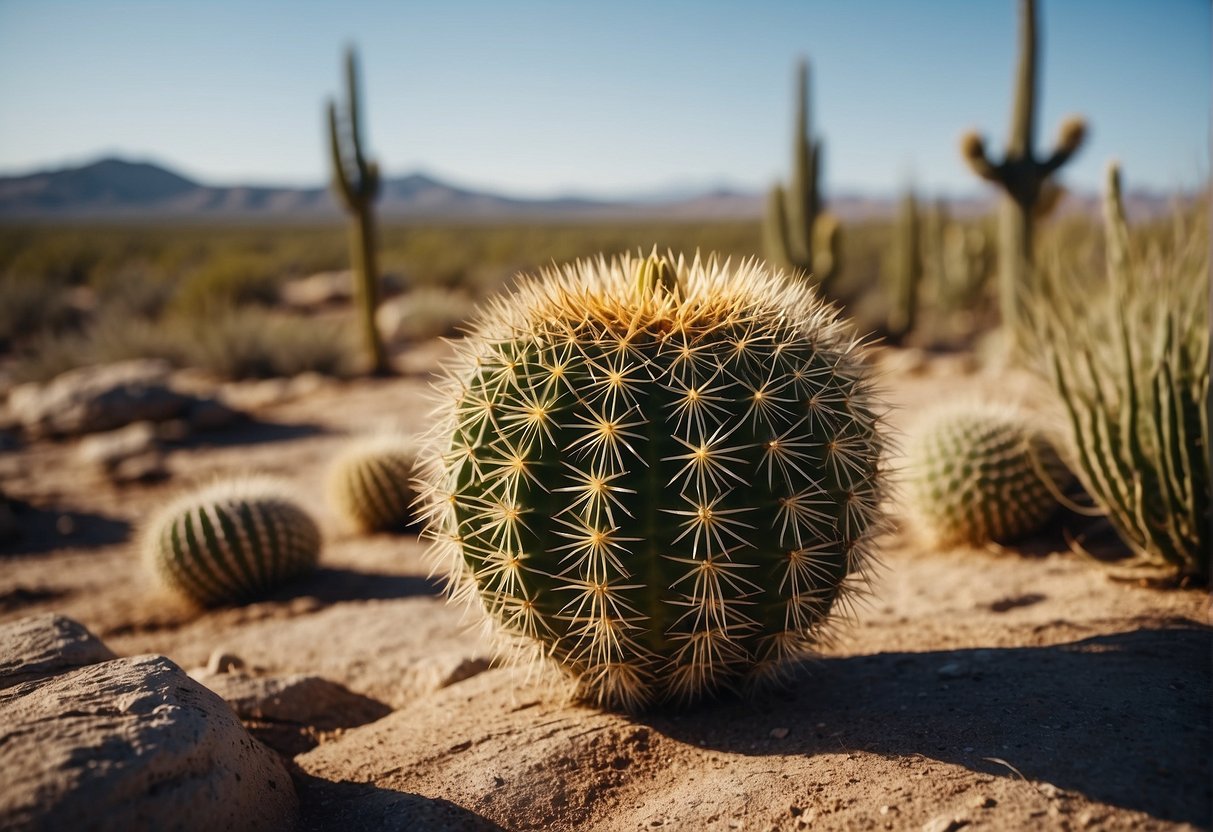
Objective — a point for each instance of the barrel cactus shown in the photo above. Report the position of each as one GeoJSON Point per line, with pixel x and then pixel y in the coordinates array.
{"type": "Point", "coordinates": [370, 483]}
{"type": "Point", "coordinates": [231, 542]}
{"type": "Point", "coordinates": [979, 473]}
{"type": "Point", "coordinates": [663, 476]}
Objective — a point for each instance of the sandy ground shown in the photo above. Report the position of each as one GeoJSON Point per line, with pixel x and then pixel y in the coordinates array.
{"type": "Point", "coordinates": [976, 689]}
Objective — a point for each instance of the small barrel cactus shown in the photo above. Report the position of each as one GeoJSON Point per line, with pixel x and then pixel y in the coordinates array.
{"type": "Point", "coordinates": [662, 476]}
{"type": "Point", "coordinates": [979, 473]}
{"type": "Point", "coordinates": [231, 542]}
{"type": "Point", "coordinates": [370, 483]}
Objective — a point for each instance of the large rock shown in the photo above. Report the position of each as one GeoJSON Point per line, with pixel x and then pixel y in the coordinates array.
{"type": "Point", "coordinates": [130, 743]}
{"type": "Point", "coordinates": [98, 398]}
{"type": "Point", "coordinates": [45, 645]}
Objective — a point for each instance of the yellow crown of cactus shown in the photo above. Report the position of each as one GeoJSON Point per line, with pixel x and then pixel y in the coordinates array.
{"type": "Point", "coordinates": [370, 483]}
{"type": "Point", "coordinates": [662, 476]}
{"type": "Point", "coordinates": [231, 542]}
{"type": "Point", "coordinates": [980, 473]}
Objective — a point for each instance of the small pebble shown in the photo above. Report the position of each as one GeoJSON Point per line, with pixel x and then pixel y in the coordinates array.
{"type": "Point", "coordinates": [945, 823]}
{"type": "Point", "coordinates": [222, 661]}
{"type": "Point", "coordinates": [951, 670]}
{"type": "Point", "coordinates": [779, 733]}
{"type": "Point", "coordinates": [982, 801]}
{"type": "Point", "coordinates": [65, 525]}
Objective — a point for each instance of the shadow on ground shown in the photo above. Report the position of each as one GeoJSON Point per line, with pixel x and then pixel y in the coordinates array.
{"type": "Point", "coordinates": [1123, 719]}
{"type": "Point", "coordinates": [250, 432]}
{"type": "Point", "coordinates": [331, 585]}
{"type": "Point", "coordinates": [43, 530]}
{"type": "Point", "coordinates": [325, 805]}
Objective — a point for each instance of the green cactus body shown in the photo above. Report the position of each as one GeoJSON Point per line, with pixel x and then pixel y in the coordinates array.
{"type": "Point", "coordinates": [979, 474]}
{"type": "Point", "coordinates": [231, 542]}
{"type": "Point", "coordinates": [797, 231]}
{"type": "Point", "coordinates": [370, 483]}
{"type": "Point", "coordinates": [356, 182]}
{"type": "Point", "coordinates": [907, 269]}
{"type": "Point", "coordinates": [662, 476]}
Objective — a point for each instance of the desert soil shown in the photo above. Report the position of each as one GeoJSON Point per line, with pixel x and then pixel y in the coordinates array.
{"type": "Point", "coordinates": [975, 689]}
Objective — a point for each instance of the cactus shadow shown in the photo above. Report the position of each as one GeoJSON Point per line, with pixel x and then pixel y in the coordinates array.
{"type": "Point", "coordinates": [1123, 719]}
{"type": "Point", "coordinates": [325, 805]}
{"type": "Point", "coordinates": [249, 431]}
{"type": "Point", "coordinates": [331, 585]}
{"type": "Point", "coordinates": [44, 530]}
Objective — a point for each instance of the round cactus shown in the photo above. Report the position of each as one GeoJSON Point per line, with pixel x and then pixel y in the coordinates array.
{"type": "Point", "coordinates": [974, 475]}
{"type": "Point", "coordinates": [662, 476]}
{"type": "Point", "coordinates": [231, 542]}
{"type": "Point", "coordinates": [370, 483]}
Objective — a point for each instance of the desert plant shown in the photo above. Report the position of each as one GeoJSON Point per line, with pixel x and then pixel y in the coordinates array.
{"type": "Point", "coordinates": [662, 475]}
{"type": "Point", "coordinates": [1026, 181]}
{"type": "Point", "coordinates": [231, 542]}
{"type": "Point", "coordinates": [906, 269]}
{"type": "Point", "coordinates": [1129, 360]}
{"type": "Point", "coordinates": [798, 233]}
{"type": "Point", "coordinates": [370, 482]}
{"type": "Point", "coordinates": [977, 473]}
{"type": "Point", "coordinates": [356, 182]}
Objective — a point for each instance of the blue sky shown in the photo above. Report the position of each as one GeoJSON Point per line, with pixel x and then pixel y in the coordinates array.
{"type": "Point", "coordinates": [617, 97]}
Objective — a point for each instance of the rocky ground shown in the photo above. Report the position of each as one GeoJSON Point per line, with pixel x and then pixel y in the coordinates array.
{"type": "Point", "coordinates": [976, 689]}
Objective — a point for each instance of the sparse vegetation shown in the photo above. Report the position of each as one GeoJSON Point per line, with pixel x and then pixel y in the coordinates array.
{"type": "Point", "coordinates": [1128, 355]}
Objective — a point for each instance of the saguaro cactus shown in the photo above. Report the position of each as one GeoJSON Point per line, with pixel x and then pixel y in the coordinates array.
{"type": "Point", "coordinates": [356, 183]}
{"type": "Point", "coordinates": [907, 268]}
{"type": "Point", "coordinates": [1024, 178]}
{"type": "Point", "coordinates": [799, 235]}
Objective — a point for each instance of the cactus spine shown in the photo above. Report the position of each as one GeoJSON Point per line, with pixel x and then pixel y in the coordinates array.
{"type": "Point", "coordinates": [662, 476]}
{"type": "Point", "coordinates": [799, 235]}
{"type": "Point", "coordinates": [981, 473]}
{"type": "Point", "coordinates": [356, 183]}
{"type": "Point", "coordinates": [370, 483]}
{"type": "Point", "coordinates": [907, 269]}
{"type": "Point", "coordinates": [1130, 363]}
{"type": "Point", "coordinates": [231, 542]}
{"type": "Point", "coordinates": [1026, 183]}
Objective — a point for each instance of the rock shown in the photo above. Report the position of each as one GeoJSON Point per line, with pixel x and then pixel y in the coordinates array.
{"type": "Point", "coordinates": [288, 713]}
{"type": "Point", "coordinates": [952, 670]}
{"type": "Point", "coordinates": [221, 661]}
{"type": "Point", "coordinates": [298, 698]}
{"type": "Point", "coordinates": [779, 733]}
{"type": "Point", "coordinates": [317, 291]}
{"type": "Point", "coordinates": [129, 454]}
{"type": "Point", "coordinates": [424, 313]}
{"type": "Point", "coordinates": [134, 743]}
{"type": "Point", "coordinates": [945, 823]}
{"type": "Point", "coordinates": [98, 398]}
{"type": "Point", "coordinates": [982, 801]}
{"type": "Point", "coordinates": [44, 645]}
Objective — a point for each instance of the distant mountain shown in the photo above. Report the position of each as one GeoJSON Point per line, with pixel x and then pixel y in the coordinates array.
{"type": "Point", "coordinates": [124, 190]}
{"type": "Point", "coordinates": [118, 189]}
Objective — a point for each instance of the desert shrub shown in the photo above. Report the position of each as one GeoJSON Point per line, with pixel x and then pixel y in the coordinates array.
{"type": "Point", "coordinates": [29, 305]}
{"type": "Point", "coordinates": [253, 343]}
{"type": "Point", "coordinates": [425, 312]}
{"type": "Point", "coordinates": [227, 281]}
{"type": "Point", "coordinates": [1128, 356]}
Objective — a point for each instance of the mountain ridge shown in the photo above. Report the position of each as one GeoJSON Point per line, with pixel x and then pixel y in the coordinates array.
{"type": "Point", "coordinates": [113, 188]}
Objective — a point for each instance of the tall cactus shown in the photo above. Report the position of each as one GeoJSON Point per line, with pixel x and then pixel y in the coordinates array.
{"type": "Point", "coordinates": [799, 235]}
{"type": "Point", "coordinates": [1024, 178]}
{"type": "Point", "coordinates": [356, 183]}
{"type": "Point", "coordinates": [906, 270]}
